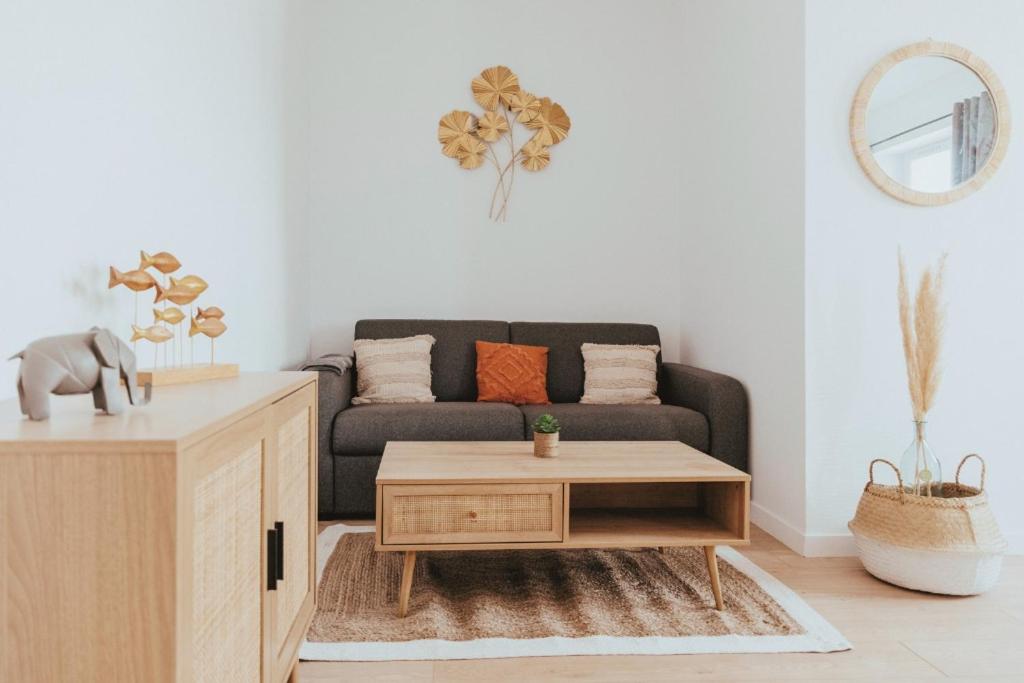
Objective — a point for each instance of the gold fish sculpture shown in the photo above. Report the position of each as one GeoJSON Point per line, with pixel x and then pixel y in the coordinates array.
{"type": "Point", "coordinates": [211, 327]}
{"type": "Point", "coordinates": [211, 312]}
{"type": "Point", "coordinates": [135, 280]}
{"type": "Point", "coordinates": [154, 333]}
{"type": "Point", "coordinates": [176, 293]}
{"type": "Point", "coordinates": [192, 283]}
{"type": "Point", "coordinates": [170, 315]}
{"type": "Point", "coordinates": [164, 261]}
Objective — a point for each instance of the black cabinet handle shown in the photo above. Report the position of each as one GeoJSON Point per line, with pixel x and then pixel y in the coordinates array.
{"type": "Point", "coordinates": [273, 553]}
{"type": "Point", "coordinates": [279, 527]}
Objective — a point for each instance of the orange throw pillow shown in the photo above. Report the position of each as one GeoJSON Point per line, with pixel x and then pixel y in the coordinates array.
{"type": "Point", "coordinates": [511, 373]}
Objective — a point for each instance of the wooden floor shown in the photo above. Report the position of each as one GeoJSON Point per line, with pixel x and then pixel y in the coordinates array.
{"type": "Point", "coordinates": [898, 635]}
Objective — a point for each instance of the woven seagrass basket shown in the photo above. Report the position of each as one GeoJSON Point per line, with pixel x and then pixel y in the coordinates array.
{"type": "Point", "coordinates": [948, 545]}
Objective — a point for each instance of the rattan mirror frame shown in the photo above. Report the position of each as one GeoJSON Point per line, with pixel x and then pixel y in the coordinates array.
{"type": "Point", "coordinates": [858, 117]}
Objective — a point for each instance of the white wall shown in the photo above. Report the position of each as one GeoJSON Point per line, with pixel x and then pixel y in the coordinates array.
{"type": "Point", "coordinates": [156, 126]}
{"type": "Point", "coordinates": [741, 301]}
{"type": "Point", "coordinates": [857, 405]}
{"type": "Point", "coordinates": [707, 186]}
{"type": "Point", "coordinates": [398, 230]}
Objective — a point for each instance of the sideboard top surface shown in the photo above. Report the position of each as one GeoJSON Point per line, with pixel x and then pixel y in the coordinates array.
{"type": "Point", "coordinates": [177, 415]}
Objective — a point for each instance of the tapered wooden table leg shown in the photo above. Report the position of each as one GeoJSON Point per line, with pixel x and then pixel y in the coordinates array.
{"type": "Point", "coordinates": [716, 587]}
{"type": "Point", "coordinates": [407, 569]}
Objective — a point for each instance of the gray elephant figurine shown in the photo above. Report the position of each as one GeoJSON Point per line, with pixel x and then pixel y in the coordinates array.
{"type": "Point", "coordinates": [92, 361]}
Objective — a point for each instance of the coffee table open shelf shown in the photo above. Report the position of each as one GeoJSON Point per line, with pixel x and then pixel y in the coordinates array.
{"type": "Point", "coordinates": [657, 514]}
{"type": "Point", "coordinates": [614, 494]}
{"type": "Point", "coordinates": [645, 528]}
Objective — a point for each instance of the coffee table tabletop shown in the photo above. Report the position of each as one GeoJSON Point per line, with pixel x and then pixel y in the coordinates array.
{"type": "Point", "coordinates": [471, 462]}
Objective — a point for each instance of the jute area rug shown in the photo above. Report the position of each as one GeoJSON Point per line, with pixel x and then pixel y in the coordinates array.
{"type": "Point", "coordinates": [530, 603]}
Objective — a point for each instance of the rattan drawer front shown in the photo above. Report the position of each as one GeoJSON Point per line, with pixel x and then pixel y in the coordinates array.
{"type": "Point", "coordinates": [472, 513]}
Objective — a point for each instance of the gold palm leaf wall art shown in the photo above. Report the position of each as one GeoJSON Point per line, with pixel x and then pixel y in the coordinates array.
{"type": "Point", "coordinates": [473, 140]}
{"type": "Point", "coordinates": [455, 129]}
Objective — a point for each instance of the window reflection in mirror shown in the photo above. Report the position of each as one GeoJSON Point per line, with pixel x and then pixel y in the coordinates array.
{"type": "Point", "coordinates": [931, 123]}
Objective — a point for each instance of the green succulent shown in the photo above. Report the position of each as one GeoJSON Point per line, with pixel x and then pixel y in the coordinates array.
{"type": "Point", "coordinates": [546, 424]}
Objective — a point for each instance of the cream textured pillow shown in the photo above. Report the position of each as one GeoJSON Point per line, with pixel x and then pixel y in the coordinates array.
{"type": "Point", "coordinates": [620, 373]}
{"type": "Point", "coordinates": [393, 370]}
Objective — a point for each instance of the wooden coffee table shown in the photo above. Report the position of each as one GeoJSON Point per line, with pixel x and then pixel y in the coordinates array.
{"type": "Point", "coordinates": [491, 495]}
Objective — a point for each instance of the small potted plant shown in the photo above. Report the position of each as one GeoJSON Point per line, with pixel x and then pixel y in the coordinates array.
{"type": "Point", "coordinates": [545, 436]}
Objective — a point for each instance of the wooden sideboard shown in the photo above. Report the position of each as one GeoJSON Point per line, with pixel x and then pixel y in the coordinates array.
{"type": "Point", "coordinates": [173, 542]}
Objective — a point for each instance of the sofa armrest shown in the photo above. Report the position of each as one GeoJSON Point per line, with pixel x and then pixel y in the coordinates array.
{"type": "Point", "coordinates": [721, 399]}
{"type": "Point", "coordinates": [335, 395]}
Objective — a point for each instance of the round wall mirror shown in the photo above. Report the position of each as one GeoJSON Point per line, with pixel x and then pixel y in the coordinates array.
{"type": "Point", "coordinates": [930, 123]}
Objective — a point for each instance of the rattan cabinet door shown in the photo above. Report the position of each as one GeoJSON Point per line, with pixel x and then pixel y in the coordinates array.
{"type": "Point", "coordinates": [291, 484]}
{"type": "Point", "coordinates": [222, 593]}
{"type": "Point", "coordinates": [472, 513]}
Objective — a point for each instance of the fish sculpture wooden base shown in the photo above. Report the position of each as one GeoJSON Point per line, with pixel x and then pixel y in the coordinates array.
{"type": "Point", "coordinates": [187, 374]}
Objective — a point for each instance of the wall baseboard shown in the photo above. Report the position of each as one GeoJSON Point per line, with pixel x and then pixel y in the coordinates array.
{"type": "Point", "coordinates": [828, 545]}
{"type": "Point", "coordinates": [783, 531]}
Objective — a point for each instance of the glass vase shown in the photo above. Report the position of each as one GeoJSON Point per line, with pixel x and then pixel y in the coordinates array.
{"type": "Point", "coordinates": [920, 469]}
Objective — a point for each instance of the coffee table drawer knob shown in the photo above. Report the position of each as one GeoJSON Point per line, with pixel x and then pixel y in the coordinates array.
{"type": "Point", "coordinates": [472, 515]}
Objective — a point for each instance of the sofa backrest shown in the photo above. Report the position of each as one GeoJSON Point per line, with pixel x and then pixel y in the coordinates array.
{"type": "Point", "coordinates": [453, 358]}
{"type": "Point", "coordinates": [565, 361]}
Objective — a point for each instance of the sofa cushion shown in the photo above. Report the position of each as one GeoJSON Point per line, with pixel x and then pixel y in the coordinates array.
{"type": "Point", "coordinates": [565, 361]}
{"type": "Point", "coordinates": [620, 374]}
{"type": "Point", "coordinates": [582, 422]}
{"type": "Point", "coordinates": [364, 430]}
{"type": "Point", "coordinates": [393, 370]}
{"type": "Point", "coordinates": [453, 357]}
{"type": "Point", "coordinates": [511, 373]}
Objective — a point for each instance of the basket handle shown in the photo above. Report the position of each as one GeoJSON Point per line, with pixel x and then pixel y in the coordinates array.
{"type": "Point", "coordinates": [871, 476]}
{"type": "Point", "coordinates": [981, 486]}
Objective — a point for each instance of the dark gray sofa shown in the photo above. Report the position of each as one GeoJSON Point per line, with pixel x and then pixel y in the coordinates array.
{"type": "Point", "coordinates": [703, 409]}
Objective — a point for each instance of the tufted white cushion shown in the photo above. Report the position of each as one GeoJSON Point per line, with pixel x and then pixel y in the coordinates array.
{"type": "Point", "coordinates": [620, 374]}
{"type": "Point", "coordinates": [393, 370]}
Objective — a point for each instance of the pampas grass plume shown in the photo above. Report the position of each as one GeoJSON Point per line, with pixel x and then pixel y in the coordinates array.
{"type": "Point", "coordinates": [922, 331]}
